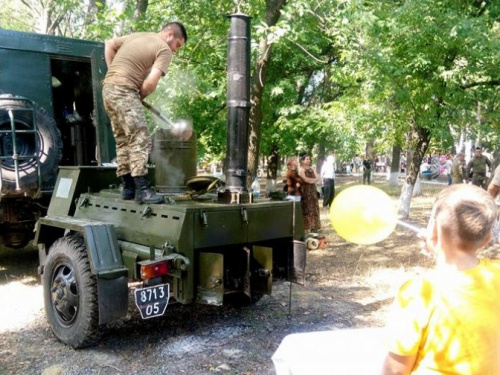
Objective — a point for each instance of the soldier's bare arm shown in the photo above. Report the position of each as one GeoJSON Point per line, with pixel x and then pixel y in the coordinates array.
{"type": "Point", "coordinates": [151, 82]}
{"type": "Point", "coordinates": [110, 49]}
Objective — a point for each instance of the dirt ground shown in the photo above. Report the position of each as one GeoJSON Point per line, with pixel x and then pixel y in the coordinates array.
{"type": "Point", "coordinates": [347, 286]}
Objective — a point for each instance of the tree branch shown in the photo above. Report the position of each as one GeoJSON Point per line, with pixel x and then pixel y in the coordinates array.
{"type": "Point", "coordinates": [308, 53]}
{"type": "Point", "coordinates": [494, 82]}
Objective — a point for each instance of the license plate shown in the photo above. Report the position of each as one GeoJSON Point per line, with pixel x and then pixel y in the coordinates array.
{"type": "Point", "coordinates": [152, 301]}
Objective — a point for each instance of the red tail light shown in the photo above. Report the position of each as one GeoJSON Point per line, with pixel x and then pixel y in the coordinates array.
{"type": "Point", "coordinates": [150, 271]}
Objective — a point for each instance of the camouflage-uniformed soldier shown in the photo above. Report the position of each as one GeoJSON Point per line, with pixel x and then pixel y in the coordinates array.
{"type": "Point", "coordinates": [457, 169]}
{"type": "Point", "coordinates": [136, 63]}
{"type": "Point", "coordinates": [479, 166]}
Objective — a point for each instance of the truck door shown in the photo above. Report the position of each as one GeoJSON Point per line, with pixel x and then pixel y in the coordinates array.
{"type": "Point", "coordinates": [105, 151]}
{"type": "Point", "coordinates": [27, 74]}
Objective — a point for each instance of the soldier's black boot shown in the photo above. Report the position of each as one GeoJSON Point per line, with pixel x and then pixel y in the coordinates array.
{"type": "Point", "coordinates": [128, 190]}
{"type": "Point", "coordinates": [144, 193]}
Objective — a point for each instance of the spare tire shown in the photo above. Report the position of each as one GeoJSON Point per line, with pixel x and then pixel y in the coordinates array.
{"type": "Point", "coordinates": [45, 144]}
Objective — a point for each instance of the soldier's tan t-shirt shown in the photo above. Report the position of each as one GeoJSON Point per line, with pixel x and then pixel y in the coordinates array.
{"type": "Point", "coordinates": [137, 54]}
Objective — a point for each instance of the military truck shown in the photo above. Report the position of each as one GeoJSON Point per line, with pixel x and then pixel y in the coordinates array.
{"type": "Point", "coordinates": [211, 242]}
{"type": "Point", "coordinates": [51, 115]}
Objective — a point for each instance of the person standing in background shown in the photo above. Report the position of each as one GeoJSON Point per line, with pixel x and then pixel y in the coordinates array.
{"type": "Point", "coordinates": [367, 171]}
{"type": "Point", "coordinates": [479, 166]}
{"type": "Point", "coordinates": [457, 169]}
{"type": "Point", "coordinates": [447, 167]}
{"type": "Point", "coordinates": [293, 181]}
{"type": "Point", "coordinates": [357, 164]}
{"type": "Point", "coordinates": [309, 201]}
{"type": "Point", "coordinates": [328, 177]}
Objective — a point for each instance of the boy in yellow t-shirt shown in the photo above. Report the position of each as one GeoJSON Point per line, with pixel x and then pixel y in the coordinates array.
{"type": "Point", "coordinates": [448, 320]}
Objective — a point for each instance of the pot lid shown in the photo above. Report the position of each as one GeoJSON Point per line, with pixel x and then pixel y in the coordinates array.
{"type": "Point", "coordinates": [202, 184]}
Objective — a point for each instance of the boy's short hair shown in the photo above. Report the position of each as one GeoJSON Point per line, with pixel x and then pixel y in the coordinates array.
{"type": "Point", "coordinates": [466, 212]}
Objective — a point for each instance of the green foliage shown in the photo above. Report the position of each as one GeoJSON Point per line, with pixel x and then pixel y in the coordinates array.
{"type": "Point", "coordinates": [342, 73]}
{"type": "Point", "coordinates": [430, 53]}
{"type": "Point", "coordinates": [13, 16]}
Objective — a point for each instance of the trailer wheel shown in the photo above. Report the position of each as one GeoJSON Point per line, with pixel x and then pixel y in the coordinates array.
{"type": "Point", "coordinates": [70, 293]}
{"type": "Point", "coordinates": [48, 137]}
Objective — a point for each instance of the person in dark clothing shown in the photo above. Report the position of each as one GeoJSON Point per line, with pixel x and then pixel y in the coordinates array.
{"type": "Point", "coordinates": [367, 171]}
{"type": "Point", "coordinates": [309, 201]}
{"type": "Point", "coordinates": [478, 167]}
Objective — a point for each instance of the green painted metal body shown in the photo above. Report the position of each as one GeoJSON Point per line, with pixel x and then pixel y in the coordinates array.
{"type": "Point", "coordinates": [62, 78]}
{"type": "Point", "coordinates": [211, 250]}
{"type": "Point", "coordinates": [30, 61]}
{"type": "Point", "coordinates": [215, 242]}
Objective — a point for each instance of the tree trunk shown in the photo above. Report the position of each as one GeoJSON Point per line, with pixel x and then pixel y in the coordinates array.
{"type": "Point", "coordinates": [48, 21]}
{"type": "Point", "coordinates": [272, 169]}
{"type": "Point", "coordinates": [369, 150]}
{"type": "Point", "coordinates": [140, 9]}
{"type": "Point", "coordinates": [417, 189]}
{"type": "Point", "coordinates": [395, 167]}
{"type": "Point", "coordinates": [273, 9]}
{"type": "Point", "coordinates": [93, 10]}
{"type": "Point", "coordinates": [422, 138]}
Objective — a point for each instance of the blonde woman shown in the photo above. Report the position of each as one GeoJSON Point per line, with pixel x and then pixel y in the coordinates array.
{"type": "Point", "coordinates": [293, 181]}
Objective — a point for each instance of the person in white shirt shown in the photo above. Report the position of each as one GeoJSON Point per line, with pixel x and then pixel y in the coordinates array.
{"type": "Point", "coordinates": [425, 166]}
{"type": "Point", "coordinates": [328, 177]}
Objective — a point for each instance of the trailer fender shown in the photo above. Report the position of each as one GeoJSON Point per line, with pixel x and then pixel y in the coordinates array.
{"type": "Point", "coordinates": [106, 262]}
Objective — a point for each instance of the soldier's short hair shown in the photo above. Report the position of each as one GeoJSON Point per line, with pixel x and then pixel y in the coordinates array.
{"type": "Point", "coordinates": [179, 29]}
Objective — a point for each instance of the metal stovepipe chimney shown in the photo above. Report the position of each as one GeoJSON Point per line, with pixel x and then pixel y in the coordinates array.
{"type": "Point", "coordinates": [238, 102]}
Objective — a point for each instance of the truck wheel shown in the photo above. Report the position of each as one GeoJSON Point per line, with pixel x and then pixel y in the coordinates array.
{"type": "Point", "coordinates": [48, 137]}
{"type": "Point", "coordinates": [70, 293]}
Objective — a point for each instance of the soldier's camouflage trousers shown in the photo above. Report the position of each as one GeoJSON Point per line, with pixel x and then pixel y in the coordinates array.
{"type": "Point", "coordinates": [480, 180]}
{"type": "Point", "coordinates": [133, 143]}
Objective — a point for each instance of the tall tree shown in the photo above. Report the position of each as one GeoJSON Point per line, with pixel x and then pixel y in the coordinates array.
{"type": "Point", "coordinates": [54, 17]}
{"type": "Point", "coordinates": [272, 15]}
{"type": "Point", "coordinates": [430, 56]}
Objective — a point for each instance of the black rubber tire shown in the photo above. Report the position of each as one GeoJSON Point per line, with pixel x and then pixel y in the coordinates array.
{"type": "Point", "coordinates": [48, 137]}
{"type": "Point", "coordinates": [70, 293]}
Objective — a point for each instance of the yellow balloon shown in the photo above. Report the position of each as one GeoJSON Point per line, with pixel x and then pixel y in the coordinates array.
{"type": "Point", "coordinates": [363, 214]}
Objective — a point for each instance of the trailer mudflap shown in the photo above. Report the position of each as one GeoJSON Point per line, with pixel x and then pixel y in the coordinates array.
{"type": "Point", "coordinates": [112, 276]}
{"type": "Point", "coordinates": [113, 298]}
